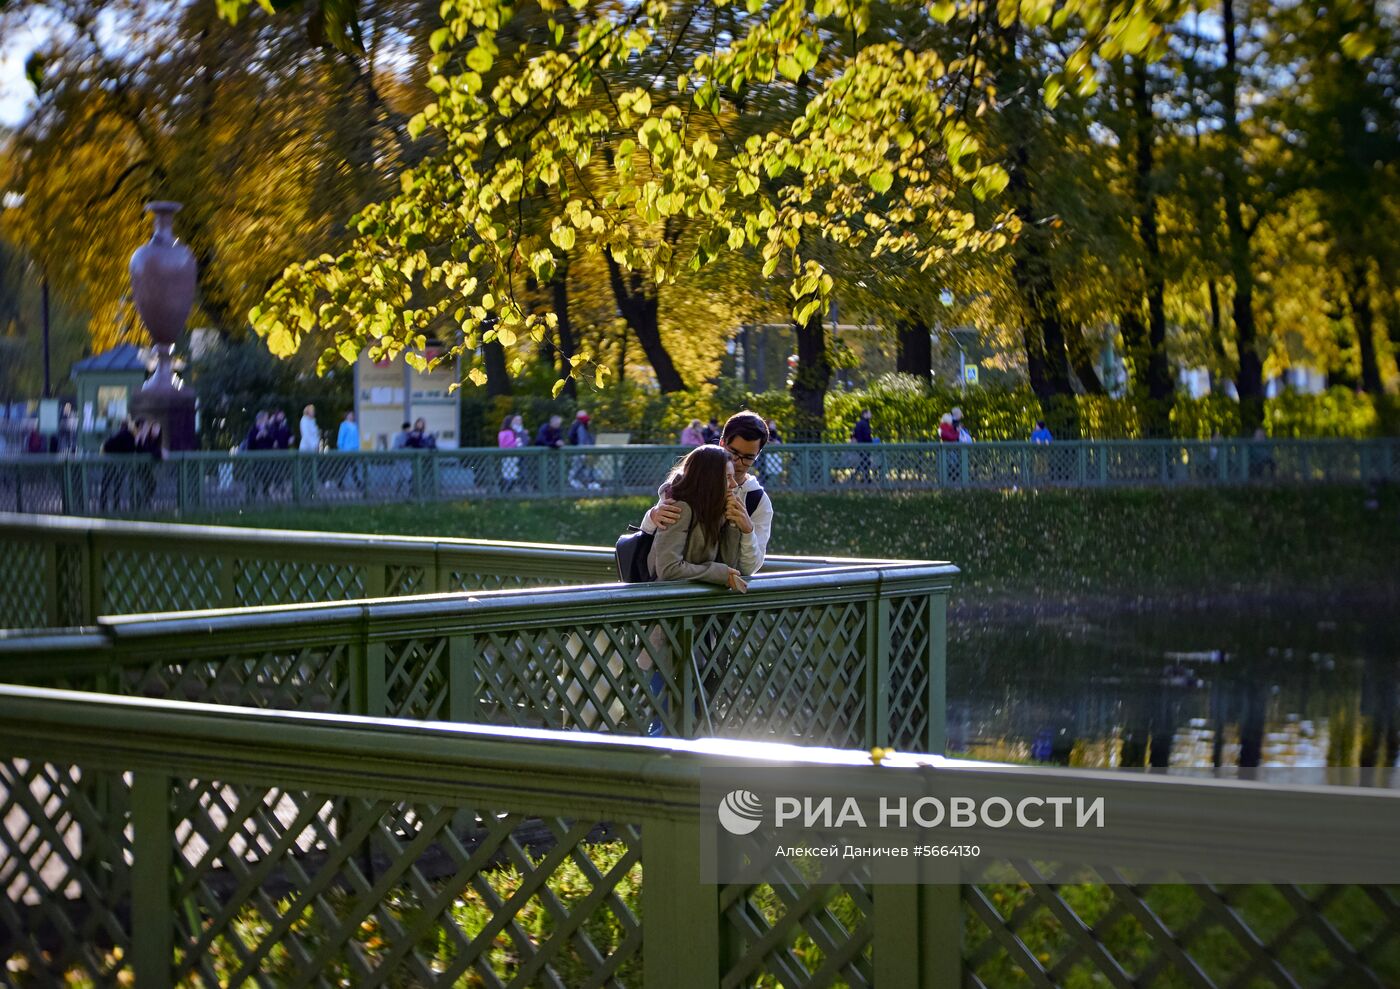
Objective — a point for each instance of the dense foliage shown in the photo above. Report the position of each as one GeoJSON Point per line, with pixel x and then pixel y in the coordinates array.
{"type": "Point", "coordinates": [1104, 192]}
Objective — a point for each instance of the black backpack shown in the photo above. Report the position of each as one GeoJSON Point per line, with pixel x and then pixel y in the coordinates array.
{"type": "Point", "coordinates": [634, 546]}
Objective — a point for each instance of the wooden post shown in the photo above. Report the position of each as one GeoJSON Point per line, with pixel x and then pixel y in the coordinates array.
{"type": "Point", "coordinates": [681, 949]}
{"type": "Point", "coordinates": [937, 739]}
{"type": "Point", "coordinates": [877, 671]}
{"type": "Point", "coordinates": [918, 936]}
{"type": "Point", "coordinates": [152, 918]}
{"type": "Point", "coordinates": [463, 678]}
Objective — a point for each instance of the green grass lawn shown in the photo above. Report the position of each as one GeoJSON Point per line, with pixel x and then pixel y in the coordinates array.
{"type": "Point", "coordinates": [1053, 543]}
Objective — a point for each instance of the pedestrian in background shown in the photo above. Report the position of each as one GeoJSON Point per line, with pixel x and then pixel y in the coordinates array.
{"type": "Point", "coordinates": [963, 435]}
{"type": "Point", "coordinates": [692, 435]}
{"type": "Point", "coordinates": [309, 434]}
{"type": "Point", "coordinates": [550, 434]}
{"type": "Point", "coordinates": [862, 433]}
{"type": "Point", "coordinates": [348, 439]}
{"type": "Point", "coordinates": [510, 436]}
{"type": "Point", "coordinates": [581, 474]}
{"type": "Point", "coordinates": [1042, 433]}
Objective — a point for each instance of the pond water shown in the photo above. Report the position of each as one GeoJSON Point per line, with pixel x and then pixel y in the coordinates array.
{"type": "Point", "coordinates": [1279, 685]}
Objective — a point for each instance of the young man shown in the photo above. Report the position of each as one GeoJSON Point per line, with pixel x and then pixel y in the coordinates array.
{"type": "Point", "coordinates": [744, 436]}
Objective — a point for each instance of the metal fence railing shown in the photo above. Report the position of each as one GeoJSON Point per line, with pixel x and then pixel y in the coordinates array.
{"type": "Point", "coordinates": [830, 652]}
{"type": "Point", "coordinates": [214, 482]}
{"type": "Point", "coordinates": [60, 572]}
{"type": "Point", "coordinates": [156, 844]}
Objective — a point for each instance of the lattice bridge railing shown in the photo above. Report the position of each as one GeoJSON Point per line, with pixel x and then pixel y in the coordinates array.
{"type": "Point", "coordinates": [160, 844]}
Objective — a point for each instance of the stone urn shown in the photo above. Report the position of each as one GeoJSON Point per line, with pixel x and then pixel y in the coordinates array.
{"type": "Point", "coordinates": [162, 286]}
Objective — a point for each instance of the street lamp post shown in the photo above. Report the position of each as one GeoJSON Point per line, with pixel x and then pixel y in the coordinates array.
{"type": "Point", "coordinates": [44, 297]}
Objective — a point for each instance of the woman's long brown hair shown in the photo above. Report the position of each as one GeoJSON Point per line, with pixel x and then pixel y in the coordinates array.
{"type": "Point", "coordinates": [700, 481]}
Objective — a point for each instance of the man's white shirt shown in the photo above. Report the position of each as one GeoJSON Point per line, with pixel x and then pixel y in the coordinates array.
{"type": "Point", "coordinates": [753, 546]}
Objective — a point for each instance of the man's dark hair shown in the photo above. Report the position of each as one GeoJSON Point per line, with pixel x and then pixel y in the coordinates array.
{"type": "Point", "coordinates": [407, 425]}
{"type": "Point", "coordinates": [745, 426]}
{"type": "Point", "coordinates": [1040, 423]}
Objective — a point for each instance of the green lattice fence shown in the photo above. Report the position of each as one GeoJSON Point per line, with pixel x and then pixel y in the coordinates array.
{"type": "Point", "coordinates": [205, 482]}
{"type": "Point", "coordinates": [1038, 932]}
{"type": "Point", "coordinates": [811, 656]}
{"type": "Point", "coordinates": [57, 572]}
{"type": "Point", "coordinates": [157, 843]}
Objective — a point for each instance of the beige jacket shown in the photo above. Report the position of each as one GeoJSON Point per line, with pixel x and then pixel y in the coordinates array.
{"type": "Point", "coordinates": [674, 557]}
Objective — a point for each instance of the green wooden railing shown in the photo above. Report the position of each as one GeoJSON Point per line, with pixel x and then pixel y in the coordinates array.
{"type": "Point", "coordinates": [849, 653]}
{"type": "Point", "coordinates": [213, 482]}
{"type": "Point", "coordinates": [163, 843]}
{"type": "Point", "coordinates": [58, 572]}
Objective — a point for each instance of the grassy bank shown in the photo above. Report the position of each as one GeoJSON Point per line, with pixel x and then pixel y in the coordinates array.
{"type": "Point", "coordinates": [1057, 544]}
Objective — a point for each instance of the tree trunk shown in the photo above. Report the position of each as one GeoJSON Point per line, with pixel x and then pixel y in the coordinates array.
{"type": "Point", "coordinates": [1363, 321]}
{"type": "Point", "coordinates": [1249, 380]}
{"type": "Point", "coordinates": [1036, 369]}
{"type": "Point", "coordinates": [638, 308]}
{"type": "Point", "coordinates": [497, 377]}
{"type": "Point", "coordinates": [1036, 282]}
{"type": "Point", "coordinates": [915, 348]}
{"type": "Point", "coordinates": [1217, 339]}
{"type": "Point", "coordinates": [1158, 372]}
{"type": "Point", "coordinates": [1047, 364]}
{"type": "Point", "coordinates": [1081, 357]}
{"type": "Point", "coordinates": [559, 288]}
{"type": "Point", "coordinates": [810, 382]}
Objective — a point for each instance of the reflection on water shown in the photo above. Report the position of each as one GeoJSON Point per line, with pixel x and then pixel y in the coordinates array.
{"type": "Point", "coordinates": [1275, 686]}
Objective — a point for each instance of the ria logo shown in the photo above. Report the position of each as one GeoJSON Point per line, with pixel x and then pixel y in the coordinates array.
{"type": "Point", "coordinates": [741, 812]}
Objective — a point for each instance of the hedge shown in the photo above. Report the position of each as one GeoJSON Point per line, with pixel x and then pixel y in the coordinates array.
{"type": "Point", "coordinates": [903, 409]}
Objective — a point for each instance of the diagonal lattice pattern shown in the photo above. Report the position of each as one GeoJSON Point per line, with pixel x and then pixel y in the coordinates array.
{"type": "Point", "coordinates": [404, 580]}
{"type": "Point", "coordinates": [137, 581]}
{"type": "Point", "coordinates": [811, 929]}
{"type": "Point", "coordinates": [600, 677]}
{"type": "Point", "coordinates": [21, 601]}
{"type": "Point", "coordinates": [909, 673]}
{"type": "Point", "coordinates": [1036, 931]}
{"type": "Point", "coordinates": [476, 580]}
{"type": "Point", "coordinates": [65, 861]}
{"type": "Point", "coordinates": [308, 679]}
{"type": "Point", "coordinates": [264, 581]}
{"type": "Point", "coordinates": [278, 887]}
{"type": "Point", "coordinates": [789, 673]}
{"type": "Point", "coordinates": [415, 679]}
{"type": "Point", "coordinates": [69, 561]}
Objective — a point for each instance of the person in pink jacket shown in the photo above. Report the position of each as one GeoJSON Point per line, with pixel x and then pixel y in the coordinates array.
{"type": "Point", "coordinates": [691, 436]}
{"type": "Point", "coordinates": [511, 435]}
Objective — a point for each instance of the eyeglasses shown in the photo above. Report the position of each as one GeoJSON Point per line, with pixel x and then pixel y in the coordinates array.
{"type": "Point", "coordinates": [743, 458]}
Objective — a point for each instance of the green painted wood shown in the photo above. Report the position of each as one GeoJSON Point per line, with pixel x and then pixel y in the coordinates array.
{"type": "Point", "coordinates": [463, 679]}
{"type": "Point", "coordinates": [52, 591]}
{"type": "Point", "coordinates": [937, 740]}
{"type": "Point", "coordinates": [681, 942]}
{"type": "Point", "coordinates": [926, 915]}
{"type": "Point", "coordinates": [376, 686]}
{"type": "Point", "coordinates": [877, 658]}
{"type": "Point", "coordinates": [356, 671]}
{"type": "Point", "coordinates": [688, 934]}
{"type": "Point", "coordinates": [151, 901]}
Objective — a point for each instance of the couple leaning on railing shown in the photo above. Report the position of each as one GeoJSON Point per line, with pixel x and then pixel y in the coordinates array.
{"type": "Point", "coordinates": [713, 519]}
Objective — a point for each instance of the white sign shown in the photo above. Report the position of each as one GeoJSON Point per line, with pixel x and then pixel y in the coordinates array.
{"type": "Point", "coordinates": [390, 393]}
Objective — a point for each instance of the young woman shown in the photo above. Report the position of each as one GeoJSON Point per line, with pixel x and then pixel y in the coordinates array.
{"type": "Point", "coordinates": [507, 439]}
{"type": "Point", "coordinates": [310, 432]}
{"type": "Point", "coordinates": [702, 544]}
